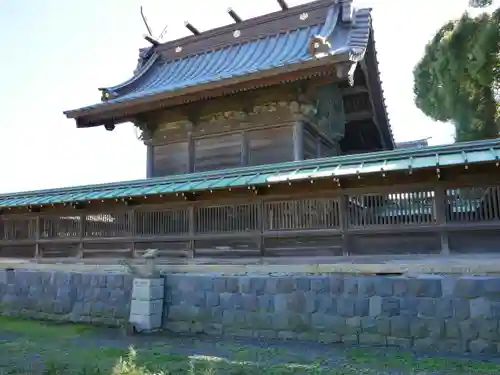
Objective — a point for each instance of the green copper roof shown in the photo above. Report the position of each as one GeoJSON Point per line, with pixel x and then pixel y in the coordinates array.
{"type": "Point", "coordinates": [341, 166]}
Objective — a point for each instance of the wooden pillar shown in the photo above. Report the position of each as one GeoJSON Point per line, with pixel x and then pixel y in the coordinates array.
{"type": "Point", "coordinates": [298, 141]}
{"type": "Point", "coordinates": [261, 216]}
{"type": "Point", "coordinates": [244, 149]}
{"type": "Point", "coordinates": [191, 152]}
{"type": "Point", "coordinates": [81, 236]}
{"type": "Point", "coordinates": [192, 230]}
{"type": "Point", "coordinates": [344, 223]}
{"type": "Point", "coordinates": [132, 231]}
{"type": "Point", "coordinates": [38, 253]}
{"type": "Point", "coordinates": [149, 161]}
{"type": "Point", "coordinates": [440, 204]}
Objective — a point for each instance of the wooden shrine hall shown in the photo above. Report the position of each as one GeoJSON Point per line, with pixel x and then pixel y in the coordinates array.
{"type": "Point", "coordinates": [267, 137]}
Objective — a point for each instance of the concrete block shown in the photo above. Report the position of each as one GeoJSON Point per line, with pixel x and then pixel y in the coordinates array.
{"type": "Point", "coordinates": [146, 322]}
{"type": "Point", "coordinates": [139, 307]}
{"type": "Point", "coordinates": [148, 289]}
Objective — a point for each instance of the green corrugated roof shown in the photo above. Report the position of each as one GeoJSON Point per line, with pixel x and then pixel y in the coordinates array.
{"type": "Point", "coordinates": [340, 166]}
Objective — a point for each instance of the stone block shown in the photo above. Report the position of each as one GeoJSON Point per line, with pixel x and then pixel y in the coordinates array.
{"type": "Point", "coordinates": [384, 286]}
{"type": "Point", "coordinates": [351, 286]}
{"type": "Point", "coordinates": [366, 286]}
{"type": "Point", "coordinates": [290, 302]}
{"type": "Point", "coordinates": [353, 325]}
{"type": "Point", "coordinates": [303, 283]}
{"type": "Point", "coordinates": [375, 306]}
{"type": "Point", "coordinates": [320, 284]}
{"type": "Point", "coordinates": [400, 286]}
{"type": "Point", "coordinates": [346, 306]}
{"type": "Point", "coordinates": [265, 303]}
{"type": "Point", "coordinates": [408, 306]}
{"type": "Point", "coordinates": [245, 284]}
{"type": "Point", "coordinates": [425, 345]}
{"type": "Point", "coordinates": [260, 320]}
{"type": "Point", "coordinates": [350, 339]}
{"type": "Point", "coordinates": [400, 326]}
{"type": "Point", "coordinates": [481, 346]}
{"type": "Point", "coordinates": [488, 330]}
{"type": "Point", "coordinates": [372, 339]}
{"type": "Point", "coordinates": [139, 307]}
{"type": "Point", "coordinates": [329, 338]}
{"type": "Point", "coordinates": [468, 287]}
{"type": "Point", "coordinates": [398, 342]}
{"type": "Point", "coordinates": [148, 289]}
{"type": "Point", "coordinates": [336, 285]}
{"type": "Point", "coordinates": [452, 328]}
{"type": "Point", "coordinates": [324, 303]}
{"type": "Point", "coordinates": [280, 285]}
{"type": "Point", "coordinates": [362, 306]}
{"type": "Point", "coordinates": [146, 322]}
{"type": "Point", "coordinates": [469, 329]}
{"type": "Point", "coordinates": [212, 299]}
{"type": "Point", "coordinates": [452, 346]}
{"type": "Point", "coordinates": [425, 286]}
{"type": "Point", "coordinates": [428, 306]}
{"type": "Point", "coordinates": [480, 308]}
{"type": "Point", "coordinates": [427, 328]}
{"type": "Point", "coordinates": [213, 329]}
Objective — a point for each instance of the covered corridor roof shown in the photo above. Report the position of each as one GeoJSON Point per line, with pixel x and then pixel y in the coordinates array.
{"type": "Point", "coordinates": [334, 167]}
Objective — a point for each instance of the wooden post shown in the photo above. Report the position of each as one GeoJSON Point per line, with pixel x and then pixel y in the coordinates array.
{"type": "Point", "coordinates": [440, 203]}
{"type": "Point", "coordinates": [81, 236]}
{"type": "Point", "coordinates": [149, 161]}
{"type": "Point", "coordinates": [261, 217]}
{"type": "Point", "coordinates": [192, 230]}
{"type": "Point", "coordinates": [38, 253]}
{"type": "Point", "coordinates": [244, 149]}
{"type": "Point", "coordinates": [298, 141]}
{"type": "Point", "coordinates": [132, 231]}
{"type": "Point", "coordinates": [191, 152]}
{"type": "Point", "coordinates": [344, 223]}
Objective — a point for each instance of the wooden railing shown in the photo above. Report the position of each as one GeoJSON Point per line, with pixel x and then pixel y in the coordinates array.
{"type": "Point", "coordinates": [396, 221]}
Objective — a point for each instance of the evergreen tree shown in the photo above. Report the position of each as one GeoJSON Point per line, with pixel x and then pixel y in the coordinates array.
{"type": "Point", "coordinates": [458, 78]}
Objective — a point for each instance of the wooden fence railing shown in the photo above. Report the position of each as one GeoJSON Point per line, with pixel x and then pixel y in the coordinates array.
{"type": "Point", "coordinates": [396, 221]}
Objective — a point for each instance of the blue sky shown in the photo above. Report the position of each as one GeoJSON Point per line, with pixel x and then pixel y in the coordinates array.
{"type": "Point", "coordinates": [56, 53]}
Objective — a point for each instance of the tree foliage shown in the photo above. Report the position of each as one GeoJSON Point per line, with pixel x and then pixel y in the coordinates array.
{"type": "Point", "coordinates": [458, 77]}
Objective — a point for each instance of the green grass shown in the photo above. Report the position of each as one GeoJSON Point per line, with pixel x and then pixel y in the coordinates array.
{"type": "Point", "coordinates": [49, 349]}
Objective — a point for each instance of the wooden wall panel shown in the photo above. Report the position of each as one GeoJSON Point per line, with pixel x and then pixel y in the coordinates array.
{"type": "Point", "coordinates": [310, 144]}
{"type": "Point", "coordinates": [170, 159]}
{"type": "Point", "coordinates": [267, 146]}
{"type": "Point", "coordinates": [218, 152]}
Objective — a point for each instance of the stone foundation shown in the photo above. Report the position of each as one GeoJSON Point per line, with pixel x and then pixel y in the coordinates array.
{"type": "Point", "coordinates": [66, 296]}
{"type": "Point", "coordinates": [429, 313]}
{"type": "Point", "coordinates": [446, 313]}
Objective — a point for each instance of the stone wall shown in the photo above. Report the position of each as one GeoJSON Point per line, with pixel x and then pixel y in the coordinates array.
{"type": "Point", "coordinates": [447, 313]}
{"type": "Point", "coordinates": [66, 296]}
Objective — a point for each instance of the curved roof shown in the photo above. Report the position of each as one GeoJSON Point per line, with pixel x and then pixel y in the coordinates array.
{"type": "Point", "coordinates": [335, 30]}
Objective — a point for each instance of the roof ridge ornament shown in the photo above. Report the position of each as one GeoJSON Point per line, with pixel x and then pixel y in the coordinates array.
{"type": "Point", "coordinates": [319, 45]}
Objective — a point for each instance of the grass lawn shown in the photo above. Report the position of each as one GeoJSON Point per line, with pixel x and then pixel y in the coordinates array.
{"type": "Point", "coordinates": [29, 347]}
